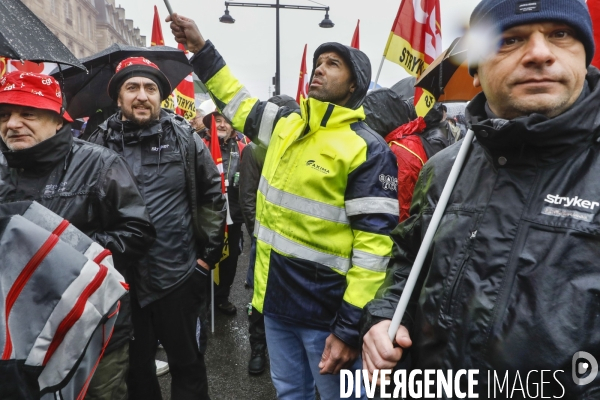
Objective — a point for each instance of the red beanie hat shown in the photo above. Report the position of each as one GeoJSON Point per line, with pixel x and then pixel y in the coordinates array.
{"type": "Point", "coordinates": [138, 66]}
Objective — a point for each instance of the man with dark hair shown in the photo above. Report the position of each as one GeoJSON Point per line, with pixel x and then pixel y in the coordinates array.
{"type": "Point", "coordinates": [182, 189]}
{"type": "Point", "coordinates": [88, 185]}
{"type": "Point", "coordinates": [326, 204]}
{"type": "Point", "coordinates": [510, 284]}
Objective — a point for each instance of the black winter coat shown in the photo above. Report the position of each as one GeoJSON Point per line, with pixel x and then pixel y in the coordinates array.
{"type": "Point", "coordinates": [251, 165]}
{"type": "Point", "coordinates": [92, 188]}
{"type": "Point", "coordinates": [512, 279]}
{"type": "Point", "coordinates": [171, 164]}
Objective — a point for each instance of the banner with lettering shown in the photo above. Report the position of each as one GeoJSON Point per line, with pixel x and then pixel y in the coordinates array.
{"type": "Point", "coordinates": [415, 42]}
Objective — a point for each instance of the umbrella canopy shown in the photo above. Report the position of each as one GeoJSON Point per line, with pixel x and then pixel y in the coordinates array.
{"type": "Point", "coordinates": [405, 88]}
{"type": "Point", "coordinates": [24, 37]}
{"type": "Point", "coordinates": [87, 92]}
{"type": "Point", "coordinates": [447, 78]}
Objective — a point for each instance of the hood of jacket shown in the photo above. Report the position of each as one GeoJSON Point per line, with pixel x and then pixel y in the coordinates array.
{"type": "Point", "coordinates": [43, 155]}
{"type": "Point", "coordinates": [359, 64]}
{"type": "Point", "coordinates": [537, 135]}
{"type": "Point", "coordinates": [386, 111]}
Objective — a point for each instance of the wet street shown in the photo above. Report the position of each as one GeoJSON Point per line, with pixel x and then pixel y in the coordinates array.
{"type": "Point", "coordinates": [229, 349]}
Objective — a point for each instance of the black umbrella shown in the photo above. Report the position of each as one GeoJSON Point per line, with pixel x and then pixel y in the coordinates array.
{"type": "Point", "coordinates": [24, 37]}
{"type": "Point", "coordinates": [405, 88]}
{"type": "Point", "coordinates": [87, 92]}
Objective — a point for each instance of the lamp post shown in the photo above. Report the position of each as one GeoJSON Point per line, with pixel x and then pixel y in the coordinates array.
{"type": "Point", "coordinates": [227, 19]}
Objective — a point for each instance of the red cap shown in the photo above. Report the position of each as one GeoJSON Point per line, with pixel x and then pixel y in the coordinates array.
{"type": "Point", "coordinates": [29, 89]}
{"type": "Point", "coordinates": [138, 66]}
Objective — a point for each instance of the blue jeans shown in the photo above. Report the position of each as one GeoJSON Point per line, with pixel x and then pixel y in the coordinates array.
{"type": "Point", "coordinates": [252, 261]}
{"type": "Point", "coordinates": [295, 353]}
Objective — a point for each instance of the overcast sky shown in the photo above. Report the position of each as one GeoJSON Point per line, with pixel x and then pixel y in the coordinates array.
{"type": "Point", "coordinates": [248, 45]}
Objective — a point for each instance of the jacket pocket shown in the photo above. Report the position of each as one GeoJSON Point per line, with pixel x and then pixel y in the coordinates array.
{"type": "Point", "coordinates": [551, 301]}
{"type": "Point", "coordinates": [457, 233]}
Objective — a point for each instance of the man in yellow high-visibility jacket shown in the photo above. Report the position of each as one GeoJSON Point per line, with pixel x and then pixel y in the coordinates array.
{"type": "Point", "coordinates": [326, 204]}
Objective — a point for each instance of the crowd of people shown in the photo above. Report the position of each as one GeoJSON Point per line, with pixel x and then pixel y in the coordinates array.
{"type": "Point", "coordinates": [337, 200]}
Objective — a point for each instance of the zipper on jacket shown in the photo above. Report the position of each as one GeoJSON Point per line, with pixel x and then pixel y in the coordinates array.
{"type": "Point", "coordinates": [159, 150]}
{"type": "Point", "coordinates": [457, 279]}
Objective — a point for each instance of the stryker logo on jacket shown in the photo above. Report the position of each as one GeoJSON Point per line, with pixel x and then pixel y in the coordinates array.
{"type": "Point", "coordinates": [571, 201]}
{"type": "Point", "coordinates": [155, 148]}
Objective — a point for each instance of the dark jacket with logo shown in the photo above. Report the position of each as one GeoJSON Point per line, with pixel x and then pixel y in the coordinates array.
{"type": "Point", "coordinates": [512, 279]}
{"type": "Point", "coordinates": [92, 188]}
{"type": "Point", "coordinates": [181, 186]}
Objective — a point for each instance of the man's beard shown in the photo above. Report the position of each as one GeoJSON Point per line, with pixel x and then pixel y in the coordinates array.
{"type": "Point", "coordinates": [330, 96]}
{"type": "Point", "coordinates": [130, 116]}
{"type": "Point", "coordinates": [223, 134]}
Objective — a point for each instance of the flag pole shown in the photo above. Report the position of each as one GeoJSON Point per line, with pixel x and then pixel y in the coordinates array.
{"type": "Point", "coordinates": [378, 72]}
{"type": "Point", "coordinates": [212, 301]}
{"type": "Point", "coordinates": [428, 238]}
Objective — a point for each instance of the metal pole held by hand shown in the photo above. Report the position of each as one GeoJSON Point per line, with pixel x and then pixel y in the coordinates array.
{"type": "Point", "coordinates": [169, 8]}
{"type": "Point", "coordinates": [428, 238]}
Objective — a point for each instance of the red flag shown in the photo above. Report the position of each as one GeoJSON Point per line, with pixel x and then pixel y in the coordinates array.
{"type": "Point", "coordinates": [302, 84]}
{"type": "Point", "coordinates": [356, 37]}
{"type": "Point", "coordinates": [7, 65]}
{"type": "Point", "coordinates": [594, 8]}
{"type": "Point", "coordinates": [157, 35]}
{"type": "Point", "coordinates": [215, 151]}
{"type": "Point", "coordinates": [415, 42]}
{"type": "Point", "coordinates": [184, 93]}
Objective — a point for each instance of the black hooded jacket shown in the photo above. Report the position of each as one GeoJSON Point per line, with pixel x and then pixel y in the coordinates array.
{"type": "Point", "coordinates": [181, 186]}
{"type": "Point", "coordinates": [512, 279]}
{"type": "Point", "coordinates": [93, 189]}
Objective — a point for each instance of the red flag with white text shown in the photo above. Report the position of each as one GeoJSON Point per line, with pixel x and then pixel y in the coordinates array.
{"type": "Point", "coordinates": [7, 65]}
{"type": "Point", "coordinates": [302, 80]}
{"type": "Point", "coordinates": [415, 42]}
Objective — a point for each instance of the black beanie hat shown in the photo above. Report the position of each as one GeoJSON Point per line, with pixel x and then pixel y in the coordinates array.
{"type": "Point", "coordinates": [504, 14]}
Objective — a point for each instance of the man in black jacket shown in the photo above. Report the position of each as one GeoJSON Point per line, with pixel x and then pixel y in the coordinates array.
{"type": "Point", "coordinates": [89, 186]}
{"type": "Point", "coordinates": [511, 282]}
{"type": "Point", "coordinates": [182, 188]}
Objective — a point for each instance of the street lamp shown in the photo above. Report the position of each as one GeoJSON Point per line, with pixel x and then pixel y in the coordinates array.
{"type": "Point", "coordinates": [227, 19]}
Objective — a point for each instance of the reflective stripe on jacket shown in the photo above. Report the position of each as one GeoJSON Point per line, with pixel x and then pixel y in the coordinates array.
{"type": "Point", "coordinates": [46, 340]}
{"type": "Point", "coordinates": [327, 201]}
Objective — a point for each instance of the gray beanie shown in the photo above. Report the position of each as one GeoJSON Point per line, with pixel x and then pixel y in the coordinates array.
{"type": "Point", "coordinates": [504, 14]}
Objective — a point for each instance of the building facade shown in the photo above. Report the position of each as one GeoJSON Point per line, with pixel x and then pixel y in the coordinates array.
{"type": "Point", "coordinates": [87, 26]}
